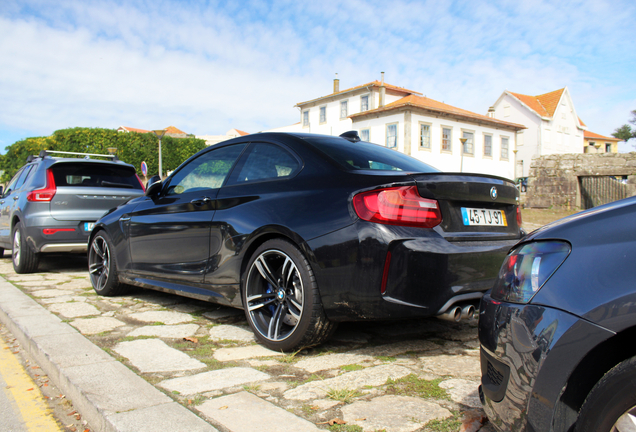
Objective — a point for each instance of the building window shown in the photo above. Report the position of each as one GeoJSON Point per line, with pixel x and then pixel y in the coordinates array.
{"type": "Point", "coordinates": [323, 114]}
{"type": "Point", "coordinates": [391, 135]}
{"type": "Point", "coordinates": [447, 136]}
{"type": "Point", "coordinates": [364, 103]}
{"type": "Point", "coordinates": [306, 118]}
{"type": "Point", "coordinates": [469, 145]}
{"type": "Point", "coordinates": [343, 109]}
{"type": "Point", "coordinates": [506, 110]}
{"type": "Point", "coordinates": [488, 145]}
{"type": "Point", "coordinates": [608, 148]}
{"type": "Point", "coordinates": [504, 147]}
{"type": "Point", "coordinates": [425, 136]}
{"type": "Point", "coordinates": [365, 135]}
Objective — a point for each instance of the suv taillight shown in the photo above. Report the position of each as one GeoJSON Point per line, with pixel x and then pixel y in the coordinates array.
{"type": "Point", "coordinates": [46, 194]}
{"type": "Point", "coordinates": [397, 206]}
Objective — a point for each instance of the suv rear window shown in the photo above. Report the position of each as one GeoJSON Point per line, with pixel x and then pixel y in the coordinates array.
{"type": "Point", "coordinates": [95, 175]}
{"type": "Point", "coordinates": [363, 155]}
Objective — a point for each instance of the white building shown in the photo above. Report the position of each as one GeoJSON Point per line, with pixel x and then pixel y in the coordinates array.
{"type": "Point", "coordinates": [418, 126]}
{"type": "Point", "coordinates": [215, 139]}
{"type": "Point", "coordinates": [551, 121]}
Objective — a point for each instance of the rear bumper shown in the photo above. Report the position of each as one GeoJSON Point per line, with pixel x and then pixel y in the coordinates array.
{"type": "Point", "coordinates": [528, 353]}
{"type": "Point", "coordinates": [425, 273]}
{"type": "Point", "coordinates": [75, 241]}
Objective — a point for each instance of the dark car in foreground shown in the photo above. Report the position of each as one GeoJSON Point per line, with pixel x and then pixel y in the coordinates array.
{"type": "Point", "coordinates": [52, 203]}
{"type": "Point", "coordinates": [557, 331]}
{"type": "Point", "coordinates": [303, 231]}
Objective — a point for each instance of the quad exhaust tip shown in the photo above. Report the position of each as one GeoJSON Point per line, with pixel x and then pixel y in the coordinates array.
{"type": "Point", "coordinates": [458, 313]}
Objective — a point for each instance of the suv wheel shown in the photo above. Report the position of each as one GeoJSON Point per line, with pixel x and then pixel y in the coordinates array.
{"type": "Point", "coordinates": [24, 259]}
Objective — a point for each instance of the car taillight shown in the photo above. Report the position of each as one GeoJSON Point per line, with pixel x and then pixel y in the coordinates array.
{"type": "Point", "coordinates": [141, 183]}
{"type": "Point", "coordinates": [527, 268]}
{"type": "Point", "coordinates": [397, 206]}
{"type": "Point", "coordinates": [519, 221]}
{"type": "Point", "coordinates": [46, 194]}
{"type": "Point", "coordinates": [50, 231]}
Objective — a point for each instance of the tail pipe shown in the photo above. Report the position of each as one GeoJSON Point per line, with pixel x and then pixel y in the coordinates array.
{"type": "Point", "coordinates": [453, 314]}
{"type": "Point", "coordinates": [458, 313]}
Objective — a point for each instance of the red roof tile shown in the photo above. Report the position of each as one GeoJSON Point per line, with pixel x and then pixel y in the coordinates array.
{"type": "Point", "coordinates": [173, 130]}
{"type": "Point", "coordinates": [131, 129]}
{"type": "Point", "coordinates": [592, 135]}
{"type": "Point", "coordinates": [241, 133]}
{"type": "Point", "coordinates": [433, 105]}
{"type": "Point", "coordinates": [545, 105]}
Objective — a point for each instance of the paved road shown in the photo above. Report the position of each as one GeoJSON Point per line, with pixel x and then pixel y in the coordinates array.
{"type": "Point", "coordinates": [22, 405]}
{"type": "Point", "coordinates": [197, 364]}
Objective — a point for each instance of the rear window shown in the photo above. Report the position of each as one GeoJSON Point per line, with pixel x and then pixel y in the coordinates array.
{"type": "Point", "coordinates": [366, 156]}
{"type": "Point", "coordinates": [95, 175]}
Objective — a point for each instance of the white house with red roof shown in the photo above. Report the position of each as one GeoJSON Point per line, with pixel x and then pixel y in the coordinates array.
{"type": "Point", "coordinates": [552, 125]}
{"type": "Point", "coordinates": [418, 126]}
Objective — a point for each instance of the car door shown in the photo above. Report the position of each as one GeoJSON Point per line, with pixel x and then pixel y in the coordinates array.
{"type": "Point", "coordinates": [9, 203]}
{"type": "Point", "coordinates": [170, 233]}
{"type": "Point", "coordinates": [252, 198]}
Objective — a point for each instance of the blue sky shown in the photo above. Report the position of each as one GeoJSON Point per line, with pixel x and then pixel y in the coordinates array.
{"type": "Point", "coordinates": [207, 67]}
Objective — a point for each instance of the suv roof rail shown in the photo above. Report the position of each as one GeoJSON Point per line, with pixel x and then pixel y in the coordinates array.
{"type": "Point", "coordinates": [45, 153]}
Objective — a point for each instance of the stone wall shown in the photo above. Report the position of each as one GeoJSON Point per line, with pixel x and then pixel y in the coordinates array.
{"type": "Point", "coordinates": [554, 180]}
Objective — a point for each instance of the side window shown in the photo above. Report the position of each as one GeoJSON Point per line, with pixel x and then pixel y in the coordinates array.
{"type": "Point", "coordinates": [24, 176]}
{"type": "Point", "coordinates": [12, 184]}
{"type": "Point", "coordinates": [208, 171]}
{"type": "Point", "coordinates": [265, 162]}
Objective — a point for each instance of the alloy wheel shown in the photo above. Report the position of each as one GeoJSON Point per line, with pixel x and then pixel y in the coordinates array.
{"type": "Point", "coordinates": [16, 247]}
{"type": "Point", "coordinates": [626, 422]}
{"type": "Point", "coordinates": [274, 295]}
{"type": "Point", "coordinates": [99, 263]}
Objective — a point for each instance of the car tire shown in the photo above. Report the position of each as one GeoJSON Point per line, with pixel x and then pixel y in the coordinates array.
{"type": "Point", "coordinates": [281, 298]}
{"type": "Point", "coordinates": [611, 401]}
{"type": "Point", "coordinates": [1, 252]}
{"type": "Point", "coordinates": [102, 268]}
{"type": "Point", "coordinates": [25, 260]}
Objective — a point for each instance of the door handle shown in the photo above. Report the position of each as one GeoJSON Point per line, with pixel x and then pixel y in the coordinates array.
{"type": "Point", "coordinates": [124, 218]}
{"type": "Point", "coordinates": [200, 201]}
{"type": "Point", "coordinates": [15, 198]}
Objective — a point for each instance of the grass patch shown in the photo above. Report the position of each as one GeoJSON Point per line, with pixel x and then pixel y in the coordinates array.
{"type": "Point", "coordinates": [196, 401]}
{"type": "Point", "coordinates": [411, 385]}
{"type": "Point", "coordinates": [353, 367]}
{"type": "Point", "coordinates": [345, 428]}
{"type": "Point", "coordinates": [386, 358]}
{"type": "Point", "coordinates": [343, 395]}
{"type": "Point", "coordinates": [451, 424]}
{"type": "Point", "coordinates": [289, 358]}
{"type": "Point", "coordinates": [252, 388]}
{"type": "Point", "coordinates": [157, 323]}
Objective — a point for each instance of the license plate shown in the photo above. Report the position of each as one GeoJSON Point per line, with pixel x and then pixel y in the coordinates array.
{"type": "Point", "coordinates": [88, 226]}
{"type": "Point", "coordinates": [475, 216]}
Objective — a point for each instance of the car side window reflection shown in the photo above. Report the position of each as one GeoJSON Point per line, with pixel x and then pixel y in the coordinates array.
{"type": "Point", "coordinates": [265, 162]}
{"type": "Point", "coordinates": [12, 183]}
{"type": "Point", "coordinates": [208, 171]}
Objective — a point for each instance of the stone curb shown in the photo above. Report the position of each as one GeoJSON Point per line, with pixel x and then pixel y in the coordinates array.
{"type": "Point", "coordinates": [111, 397]}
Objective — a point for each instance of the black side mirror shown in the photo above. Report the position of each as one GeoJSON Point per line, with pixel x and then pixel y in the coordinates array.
{"type": "Point", "coordinates": [153, 186]}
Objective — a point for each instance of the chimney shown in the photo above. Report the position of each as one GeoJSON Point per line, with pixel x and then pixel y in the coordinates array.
{"type": "Point", "coordinates": [336, 84]}
{"type": "Point", "coordinates": [491, 112]}
{"type": "Point", "coordinates": [382, 91]}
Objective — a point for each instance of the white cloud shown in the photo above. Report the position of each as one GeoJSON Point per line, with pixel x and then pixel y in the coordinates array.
{"type": "Point", "coordinates": [206, 69]}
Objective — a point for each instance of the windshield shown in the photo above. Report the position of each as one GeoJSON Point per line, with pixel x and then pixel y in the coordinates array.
{"type": "Point", "coordinates": [363, 155]}
{"type": "Point", "coordinates": [95, 175]}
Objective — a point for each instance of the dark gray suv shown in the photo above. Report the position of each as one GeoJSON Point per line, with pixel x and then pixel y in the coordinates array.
{"type": "Point", "coordinates": [52, 203]}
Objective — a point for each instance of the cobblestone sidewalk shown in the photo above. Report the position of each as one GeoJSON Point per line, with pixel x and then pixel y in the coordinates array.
{"type": "Point", "coordinates": [417, 375]}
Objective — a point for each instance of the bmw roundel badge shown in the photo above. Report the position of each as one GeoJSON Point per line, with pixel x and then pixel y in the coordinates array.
{"type": "Point", "coordinates": [493, 193]}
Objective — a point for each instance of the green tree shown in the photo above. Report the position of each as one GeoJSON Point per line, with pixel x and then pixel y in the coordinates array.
{"type": "Point", "coordinates": [626, 132]}
{"type": "Point", "coordinates": [132, 148]}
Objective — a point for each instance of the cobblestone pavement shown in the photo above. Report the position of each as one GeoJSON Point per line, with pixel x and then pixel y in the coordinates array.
{"type": "Point", "coordinates": [416, 375]}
